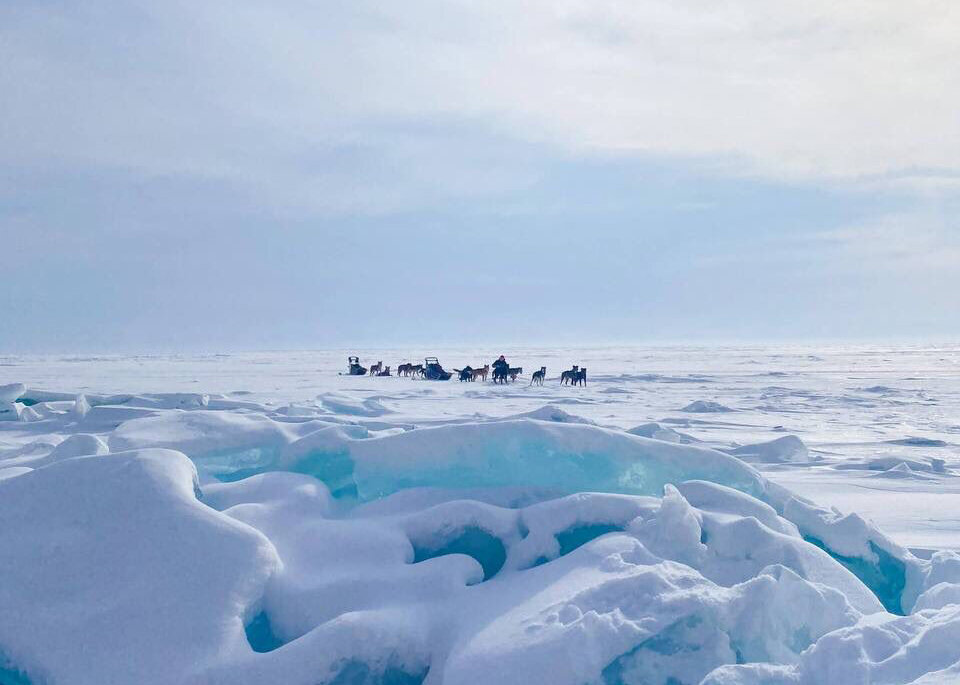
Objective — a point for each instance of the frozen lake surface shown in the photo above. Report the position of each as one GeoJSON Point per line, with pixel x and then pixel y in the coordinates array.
{"type": "Point", "coordinates": [722, 515]}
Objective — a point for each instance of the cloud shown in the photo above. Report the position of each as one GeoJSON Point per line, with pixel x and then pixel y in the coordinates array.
{"type": "Point", "coordinates": [910, 242]}
{"type": "Point", "coordinates": [302, 101]}
{"type": "Point", "coordinates": [667, 168]}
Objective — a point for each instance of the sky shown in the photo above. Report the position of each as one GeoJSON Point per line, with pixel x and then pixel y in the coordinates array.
{"type": "Point", "coordinates": [194, 176]}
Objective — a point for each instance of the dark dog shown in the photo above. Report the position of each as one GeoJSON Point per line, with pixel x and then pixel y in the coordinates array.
{"type": "Point", "coordinates": [375, 369]}
{"type": "Point", "coordinates": [580, 378]}
{"type": "Point", "coordinates": [538, 376]}
{"type": "Point", "coordinates": [568, 376]}
{"type": "Point", "coordinates": [465, 374]}
{"type": "Point", "coordinates": [515, 371]}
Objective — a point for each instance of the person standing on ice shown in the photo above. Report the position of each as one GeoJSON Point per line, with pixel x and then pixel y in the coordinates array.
{"type": "Point", "coordinates": [500, 370]}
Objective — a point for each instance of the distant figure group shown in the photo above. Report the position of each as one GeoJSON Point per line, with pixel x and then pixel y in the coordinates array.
{"type": "Point", "coordinates": [501, 371]}
{"type": "Point", "coordinates": [410, 370]}
{"type": "Point", "coordinates": [354, 368]}
{"type": "Point", "coordinates": [575, 376]}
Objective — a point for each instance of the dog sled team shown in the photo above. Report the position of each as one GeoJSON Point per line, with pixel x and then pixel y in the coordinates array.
{"type": "Point", "coordinates": [354, 368]}
{"type": "Point", "coordinates": [500, 372]}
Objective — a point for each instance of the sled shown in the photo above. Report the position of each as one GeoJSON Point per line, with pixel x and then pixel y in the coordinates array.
{"type": "Point", "coordinates": [354, 368]}
{"type": "Point", "coordinates": [432, 370]}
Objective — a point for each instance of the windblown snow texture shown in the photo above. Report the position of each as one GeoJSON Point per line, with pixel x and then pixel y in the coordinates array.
{"type": "Point", "coordinates": [219, 539]}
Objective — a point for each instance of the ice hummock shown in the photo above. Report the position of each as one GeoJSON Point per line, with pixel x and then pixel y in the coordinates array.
{"type": "Point", "coordinates": [10, 409]}
{"type": "Point", "coordinates": [706, 407]}
{"type": "Point", "coordinates": [788, 448]}
{"type": "Point", "coordinates": [158, 539]}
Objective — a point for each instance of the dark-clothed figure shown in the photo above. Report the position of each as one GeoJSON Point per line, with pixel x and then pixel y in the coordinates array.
{"type": "Point", "coordinates": [500, 370]}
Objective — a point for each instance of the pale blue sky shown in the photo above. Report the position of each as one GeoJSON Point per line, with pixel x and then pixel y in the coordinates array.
{"type": "Point", "coordinates": [237, 175]}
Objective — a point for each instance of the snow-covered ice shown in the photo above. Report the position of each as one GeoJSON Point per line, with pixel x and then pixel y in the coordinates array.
{"type": "Point", "coordinates": [723, 516]}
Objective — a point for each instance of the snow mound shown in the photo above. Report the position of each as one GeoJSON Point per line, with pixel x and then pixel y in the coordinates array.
{"type": "Point", "coordinates": [298, 410]}
{"type": "Point", "coordinates": [920, 648]}
{"type": "Point", "coordinates": [706, 407]}
{"type": "Point", "coordinates": [103, 418]}
{"type": "Point", "coordinates": [887, 463]}
{"type": "Point", "coordinates": [341, 404]}
{"type": "Point", "coordinates": [550, 412]}
{"type": "Point", "coordinates": [901, 471]}
{"type": "Point", "coordinates": [788, 448]}
{"type": "Point", "coordinates": [659, 622]}
{"type": "Point", "coordinates": [36, 448]}
{"type": "Point", "coordinates": [939, 596]}
{"type": "Point", "coordinates": [96, 588]}
{"type": "Point", "coordinates": [78, 445]}
{"type": "Point", "coordinates": [658, 431]}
